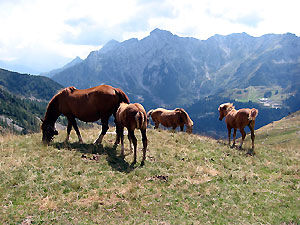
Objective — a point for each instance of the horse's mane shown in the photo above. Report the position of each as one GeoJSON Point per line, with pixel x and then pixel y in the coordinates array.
{"type": "Point", "coordinates": [189, 121]}
{"type": "Point", "coordinates": [51, 107]}
{"type": "Point", "coordinates": [229, 106]}
{"type": "Point", "coordinates": [66, 90]}
{"type": "Point", "coordinates": [123, 97]}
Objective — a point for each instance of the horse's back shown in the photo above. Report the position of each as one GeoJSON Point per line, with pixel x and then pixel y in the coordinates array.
{"type": "Point", "coordinates": [90, 104]}
{"type": "Point", "coordinates": [127, 115]}
{"type": "Point", "coordinates": [167, 118]}
{"type": "Point", "coordinates": [240, 118]}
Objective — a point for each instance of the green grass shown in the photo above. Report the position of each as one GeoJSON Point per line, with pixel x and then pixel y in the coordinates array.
{"type": "Point", "coordinates": [186, 179]}
{"type": "Point", "coordinates": [254, 93]}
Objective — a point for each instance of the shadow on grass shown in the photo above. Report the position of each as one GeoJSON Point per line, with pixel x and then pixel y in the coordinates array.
{"type": "Point", "coordinates": [237, 147]}
{"type": "Point", "coordinates": [116, 161]}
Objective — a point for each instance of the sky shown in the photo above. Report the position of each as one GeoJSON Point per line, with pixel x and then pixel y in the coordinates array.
{"type": "Point", "coordinates": [41, 35]}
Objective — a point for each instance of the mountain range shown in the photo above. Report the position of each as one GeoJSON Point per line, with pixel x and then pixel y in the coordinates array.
{"type": "Point", "coordinates": [167, 70]}
{"type": "Point", "coordinates": [58, 70]}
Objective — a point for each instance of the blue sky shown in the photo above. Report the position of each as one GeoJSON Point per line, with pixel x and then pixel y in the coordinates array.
{"type": "Point", "coordinates": [46, 34]}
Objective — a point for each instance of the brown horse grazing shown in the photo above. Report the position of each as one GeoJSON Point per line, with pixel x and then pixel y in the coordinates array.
{"type": "Point", "coordinates": [88, 105]}
{"type": "Point", "coordinates": [131, 116]}
{"type": "Point", "coordinates": [238, 119]}
{"type": "Point", "coordinates": [171, 118]}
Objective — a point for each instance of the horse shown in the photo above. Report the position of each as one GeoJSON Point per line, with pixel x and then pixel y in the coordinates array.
{"type": "Point", "coordinates": [171, 118]}
{"type": "Point", "coordinates": [132, 116]}
{"type": "Point", "coordinates": [238, 119]}
{"type": "Point", "coordinates": [87, 105]}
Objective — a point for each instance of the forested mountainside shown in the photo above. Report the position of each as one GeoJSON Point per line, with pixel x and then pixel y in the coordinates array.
{"type": "Point", "coordinates": [23, 101]}
{"type": "Point", "coordinates": [28, 86]}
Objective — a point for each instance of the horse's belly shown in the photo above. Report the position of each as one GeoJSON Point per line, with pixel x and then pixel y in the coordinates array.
{"type": "Point", "coordinates": [88, 117]}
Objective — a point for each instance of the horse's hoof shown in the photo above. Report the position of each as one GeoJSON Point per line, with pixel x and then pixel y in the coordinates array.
{"type": "Point", "coordinates": [97, 142]}
{"type": "Point", "coordinates": [251, 153]}
{"type": "Point", "coordinates": [232, 146]}
{"type": "Point", "coordinates": [142, 163]}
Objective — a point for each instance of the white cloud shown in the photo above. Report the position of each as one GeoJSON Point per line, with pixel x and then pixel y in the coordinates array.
{"type": "Point", "coordinates": [51, 32]}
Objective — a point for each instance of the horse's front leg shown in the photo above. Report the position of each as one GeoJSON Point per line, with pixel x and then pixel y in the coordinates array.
{"type": "Point", "coordinates": [77, 131]}
{"type": "Point", "coordinates": [72, 122]}
{"type": "Point", "coordinates": [229, 135]}
{"type": "Point", "coordinates": [69, 128]}
{"type": "Point", "coordinates": [103, 132]}
{"type": "Point", "coordinates": [243, 137]}
{"type": "Point", "coordinates": [181, 128]}
{"type": "Point", "coordinates": [234, 135]}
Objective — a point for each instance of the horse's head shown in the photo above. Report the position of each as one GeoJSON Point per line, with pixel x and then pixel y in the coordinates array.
{"type": "Point", "coordinates": [186, 119]}
{"type": "Point", "coordinates": [48, 131]}
{"type": "Point", "coordinates": [224, 109]}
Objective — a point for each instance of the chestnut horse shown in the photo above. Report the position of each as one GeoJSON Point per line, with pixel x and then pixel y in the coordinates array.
{"type": "Point", "coordinates": [238, 119]}
{"type": "Point", "coordinates": [171, 118]}
{"type": "Point", "coordinates": [88, 105]}
{"type": "Point", "coordinates": [131, 116]}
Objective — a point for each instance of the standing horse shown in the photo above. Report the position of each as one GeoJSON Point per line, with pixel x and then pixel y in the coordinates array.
{"type": "Point", "coordinates": [131, 116]}
{"type": "Point", "coordinates": [171, 118]}
{"type": "Point", "coordinates": [238, 119]}
{"type": "Point", "coordinates": [88, 105]}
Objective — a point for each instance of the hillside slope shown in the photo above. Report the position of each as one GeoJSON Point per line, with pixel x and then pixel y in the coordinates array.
{"type": "Point", "coordinates": [23, 98]}
{"type": "Point", "coordinates": [284, 132]}
{"type": "Point", "coordinates": [28, 86]}
{"type": "Point", "coordinates": [19, 115]}
{"type": "Point", "coordinates": [186, 179]}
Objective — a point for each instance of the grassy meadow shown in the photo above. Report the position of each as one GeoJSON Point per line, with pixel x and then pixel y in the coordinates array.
{"type": "Point", "coordinates": [187, 179]}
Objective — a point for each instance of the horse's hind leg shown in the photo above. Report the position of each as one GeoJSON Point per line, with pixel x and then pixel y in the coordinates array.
{"type": "Point", "coordinates": [103, 132]}
{"type": "Point", "coordinates": [134, 141]}
{"type": "Point", "coordinates": [119, 131]}
{"type": "Point", "coordinates": [122, 144]}
{"type": "Point", "coordinates": [251, 126]}
{"type": "Point", "coordinates": [144, 139]}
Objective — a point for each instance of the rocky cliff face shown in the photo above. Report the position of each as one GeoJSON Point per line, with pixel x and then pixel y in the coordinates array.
{"type": "Point", "coordinates": [167, 70]}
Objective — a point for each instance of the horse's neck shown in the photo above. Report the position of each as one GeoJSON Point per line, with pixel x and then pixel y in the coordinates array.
{"type": "Point", "coordinates": [232, 112]}
{"type": "Point", "coordinates": [52, 113]}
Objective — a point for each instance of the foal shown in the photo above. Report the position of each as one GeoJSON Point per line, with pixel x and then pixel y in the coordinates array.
{"type": "Point", "coordinates": [171, 118]}
{"type": "Point", "coordinates": [132, 116]}
{"type": "Point", "coordinates": [238, 119]}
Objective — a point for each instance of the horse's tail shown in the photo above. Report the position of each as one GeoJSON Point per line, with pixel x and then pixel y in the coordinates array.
{"type": "Point", "coordinates": [122, 96]}
{"type": "Point", "coordinates": [253, 114]}
{"type": "Point", "coordinates": [140, 120]}
{"type": "Point", "coordinates": [149, 113]}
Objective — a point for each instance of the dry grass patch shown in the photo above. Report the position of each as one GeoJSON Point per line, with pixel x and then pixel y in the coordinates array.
{"type": "Point", "coordinates": [186, 179]}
